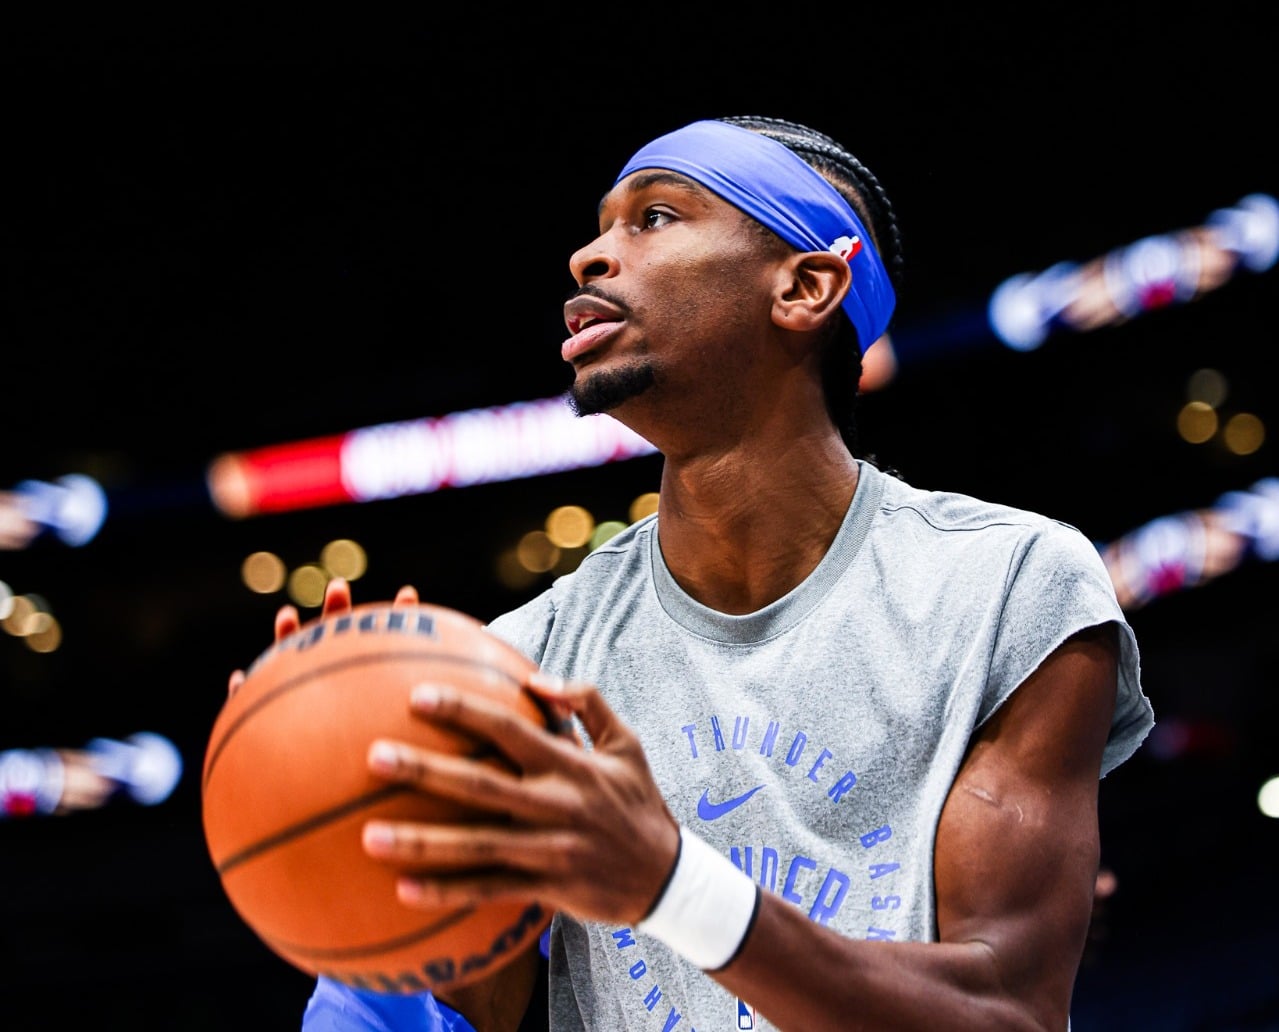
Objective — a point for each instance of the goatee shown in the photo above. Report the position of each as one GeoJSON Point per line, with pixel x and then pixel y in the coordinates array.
{"type": "Point", "coordinates": [604, 391]}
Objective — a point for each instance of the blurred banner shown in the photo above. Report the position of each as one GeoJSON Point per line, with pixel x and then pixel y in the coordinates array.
{"type": "Point", "coordinates": [478, 446]}
{"type": "Point", "coordinates": [1169, 268]}
{"type": "Point", "coordinates": [72, 507]}
{"type": "Point", "coordinates": [1186, 549]}
{"type": "Point", "coordinates": [144, 768]}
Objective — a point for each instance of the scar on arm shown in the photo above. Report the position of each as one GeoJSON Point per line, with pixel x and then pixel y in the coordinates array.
{"type": "Point", "coordinates": [990, 800]}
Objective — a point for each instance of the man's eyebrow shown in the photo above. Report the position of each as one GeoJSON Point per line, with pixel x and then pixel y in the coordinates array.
{"type": "Point", "coordinates": [657, 177]}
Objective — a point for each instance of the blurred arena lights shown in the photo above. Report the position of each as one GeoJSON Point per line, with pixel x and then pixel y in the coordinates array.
{"type": "Point", "coordinates": [388, 460]}
{"type": "Point", "coordinates": [265, 573]}
{"type": "Point", "coordinates": [1244, 433]}
{"type": "Point", "coordinates": [29, 618]}
{"type": "Point", "coordinates": [1186, 549]}
{"type": "Point", "coordinates": [1268, 798]}
{"type": "Point", "coordinates": [1200, 421]}
{"type": "Point", "coordinates": [643, 505]}
{"type": "Point", "coordinates": [567, 536]}
{"type": "Point", "coordinates": [306, 584]}
{"type": "Point", "coordinates": [72, 507]}
{"type": "Point", "coordinates": [1168, 268]}
{"type": "Point", "coordinates": [570, 526]}
{"type": "Point", "coordinates": [47, 781]}
{"type": "Point", "coordinates": [1197, 422]}
{"type": "Point", "coordinates": [345, 558]}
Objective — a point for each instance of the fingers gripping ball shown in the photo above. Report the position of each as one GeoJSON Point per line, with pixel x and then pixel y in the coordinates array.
{"type": "Point", "coordinates": [286, 792]}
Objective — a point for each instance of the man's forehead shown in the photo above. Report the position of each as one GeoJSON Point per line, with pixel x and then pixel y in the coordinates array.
{"type": "Point", "coordinates": [645, 179]}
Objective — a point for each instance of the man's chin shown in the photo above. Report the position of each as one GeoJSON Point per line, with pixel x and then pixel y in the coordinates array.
{"type": "Point", "coordinates": [604, 391]}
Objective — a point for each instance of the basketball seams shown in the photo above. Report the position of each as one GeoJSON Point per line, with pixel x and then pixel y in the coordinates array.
{"type": "Point", "coordinates": [319, 820]}
{"type": "Point", "coordinates": [324, 818]}
{"type": "Point", "coordinates": [300, 680]}
{"type": "Point", "coordinates": [447, 969]}
{"type": "Point", "coordinates": [319, 954]}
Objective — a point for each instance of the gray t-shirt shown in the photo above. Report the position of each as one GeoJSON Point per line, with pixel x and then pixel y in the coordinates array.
{"type": "Point", "coordinates": [814, 741]}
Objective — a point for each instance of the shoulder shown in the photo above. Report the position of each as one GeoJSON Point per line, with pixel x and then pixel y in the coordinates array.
{"type": "Point", "coordinates": [620, 560]}
{"type": "Point", "coordinates": [958, 511]}
{"type": "Point", "coordinates": [965, 520]}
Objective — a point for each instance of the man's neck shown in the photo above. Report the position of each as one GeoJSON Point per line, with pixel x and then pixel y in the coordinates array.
{"type": "Point", "coordinates": [739, 532]}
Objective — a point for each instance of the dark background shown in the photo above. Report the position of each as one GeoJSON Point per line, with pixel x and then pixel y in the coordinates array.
{"type": "Point", "coordinates": [222, 236]}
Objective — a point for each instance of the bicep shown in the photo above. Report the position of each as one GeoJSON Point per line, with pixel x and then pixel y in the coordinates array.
{"type": "Point", "coordinates": [1017, 844]}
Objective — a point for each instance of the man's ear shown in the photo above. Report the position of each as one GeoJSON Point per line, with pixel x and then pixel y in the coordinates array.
{"type": "Point", "coordinates": [812, 285]}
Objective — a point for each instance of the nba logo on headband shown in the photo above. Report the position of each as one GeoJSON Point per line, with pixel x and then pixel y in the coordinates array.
{"type": "Point", "coordinates": [847, 247]}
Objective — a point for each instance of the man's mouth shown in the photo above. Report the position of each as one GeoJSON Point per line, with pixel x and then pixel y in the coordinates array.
{"type": "Point", "coordinates": [587, 334]}
{"type": "Point", "coordinates": [590, 320]}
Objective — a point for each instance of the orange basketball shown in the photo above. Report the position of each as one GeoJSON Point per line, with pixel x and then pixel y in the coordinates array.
{"type": "Point", "coordinates": [286, 793]}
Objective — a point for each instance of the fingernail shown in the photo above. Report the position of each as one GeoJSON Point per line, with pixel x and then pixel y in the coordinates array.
{"type": "Point", "coordinates": [408, 890]}
{"type": "Point", "coordinates": [549, 682]}
{"type": "Point", "coordinates": [425, 696]}
{"type": "Point", "coordinates": [379, 836]}
{"type": "Point", "coordinates": [384, 756]}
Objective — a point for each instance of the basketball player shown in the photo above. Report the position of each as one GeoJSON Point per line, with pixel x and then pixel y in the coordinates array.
{"type": "Point", "coordinates": [843, 734]}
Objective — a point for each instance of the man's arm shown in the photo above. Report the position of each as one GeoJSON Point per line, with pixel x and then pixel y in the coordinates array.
{"type": "Point", "coordinates": [1016, 854]}
{"type": "Point", "coordinates": [1016, 863]}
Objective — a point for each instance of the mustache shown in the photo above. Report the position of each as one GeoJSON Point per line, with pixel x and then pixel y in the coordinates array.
{"type": "Point", "coordinates": [591, 290]}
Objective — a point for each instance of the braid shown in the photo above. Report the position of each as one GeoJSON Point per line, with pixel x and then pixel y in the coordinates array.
{"type": "Point", "coordinates": [841, 362]}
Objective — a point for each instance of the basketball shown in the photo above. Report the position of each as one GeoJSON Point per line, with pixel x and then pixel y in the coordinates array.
{"type": "Point", "coordinates": [286, 792]}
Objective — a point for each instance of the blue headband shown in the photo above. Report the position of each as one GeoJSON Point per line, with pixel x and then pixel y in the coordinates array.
{"type": "Point", "coordinates": [775, 186]}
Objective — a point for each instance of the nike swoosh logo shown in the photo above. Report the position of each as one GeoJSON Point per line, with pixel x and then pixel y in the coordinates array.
{"type": "Point", "coordinates": [709, 811]}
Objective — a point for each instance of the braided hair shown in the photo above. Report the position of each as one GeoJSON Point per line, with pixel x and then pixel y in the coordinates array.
{"type": "Point", "coordinates": [841, 360]}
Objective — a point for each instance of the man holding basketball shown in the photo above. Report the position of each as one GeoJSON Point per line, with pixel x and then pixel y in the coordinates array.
{"type": "Point", "coordinates": [843, 735]}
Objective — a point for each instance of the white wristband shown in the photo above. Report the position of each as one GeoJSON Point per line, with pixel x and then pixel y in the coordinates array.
{"type": "Point", "coordinates": [707, 908]}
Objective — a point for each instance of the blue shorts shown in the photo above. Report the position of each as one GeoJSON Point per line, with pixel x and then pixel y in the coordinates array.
{"type": "Point", "coordinates": [334, 1007]}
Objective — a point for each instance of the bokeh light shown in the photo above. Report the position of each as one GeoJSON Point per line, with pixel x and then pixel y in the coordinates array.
{"type": "Point", "coordinates": [306, 585]}
{"type": "Point", "coordinates": [1243, 433]}
{"type": "Point", "coordinates": [21, 611]}
{"type": "Point", "coordinates": [1268, 798]}
{"type": "Point", "coordinates": [1197, 422]}
{"type": "Point", "coordinates": [263, 573]}
{"type": "Point", "coordinates": [44, 633]}
{"type": "Point", "coordinates": [537, 552]}
{"type": "Point", "coordinates": [344, 558]}
{"type": "Point", "coordinates": [569, 526]}
{"type": "Point", "coordinates": [643, 505]}
{"type": "Point", "coordinates": [1208, 386]}
{"type": "Point", "coordinates": [606, 530]}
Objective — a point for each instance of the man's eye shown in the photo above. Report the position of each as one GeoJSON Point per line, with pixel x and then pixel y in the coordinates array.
{"type": "Point", "coordinates": [653, 218]}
